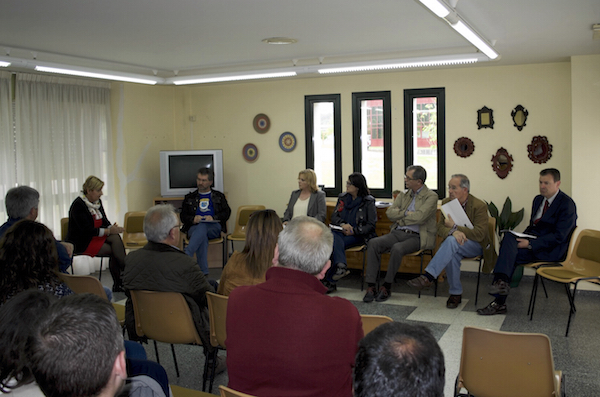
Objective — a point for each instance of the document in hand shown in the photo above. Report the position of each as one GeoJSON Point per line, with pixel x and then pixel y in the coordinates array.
{"type": "Point", "coordinates": [520, 235]}
{"type": "Point", "coordinates": [457, 213]}
{"type": "Point", "coordinates": [336, 227]}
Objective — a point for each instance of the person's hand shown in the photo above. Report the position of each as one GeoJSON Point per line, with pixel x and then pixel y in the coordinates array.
{"type": "Point", "coordinates": [209, 218]}
{"type": "Point", "coordinates": [116, 229]}
{"type": "Point", "coordinates": [69, 247]}
{"type": "Point", "coordinates": [522, 243]}
{"type": "Point", "coordinates": [460, 237]}
{"type": "Point", "coordinates": [197, 219]}
{"type": "Point", "coordinates": [448, 222]}
{"type": "Point", "coordinates": [348, 230]}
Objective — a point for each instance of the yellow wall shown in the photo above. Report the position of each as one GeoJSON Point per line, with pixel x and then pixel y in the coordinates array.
{"type": "Point", "coordinates": [585, 76]}
{"type": "Point", "coordinates": [157, 118]}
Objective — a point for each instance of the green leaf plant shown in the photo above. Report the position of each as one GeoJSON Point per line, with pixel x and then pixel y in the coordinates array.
{"type": "Point", "coordinates": [505, 220]}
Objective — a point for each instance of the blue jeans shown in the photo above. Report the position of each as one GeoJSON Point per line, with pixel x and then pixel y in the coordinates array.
{"type": "Point", "coordinates": [340, 243]}
{"type": "Point", "coordinates": [448, 257]}
{"type": "Point", "coordinates": [199, 235]}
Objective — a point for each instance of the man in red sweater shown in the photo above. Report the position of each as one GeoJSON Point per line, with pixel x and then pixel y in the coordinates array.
{"type": "Point", "coordinates": [286, 337]}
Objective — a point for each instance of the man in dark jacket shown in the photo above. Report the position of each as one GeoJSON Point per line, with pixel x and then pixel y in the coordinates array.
{"type": "Point", "coordinates": [204, 214]}
{"type": "Point", "coordinates": [161, 266]}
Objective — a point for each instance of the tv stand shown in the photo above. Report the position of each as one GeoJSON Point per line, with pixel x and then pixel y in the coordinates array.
{"type": "Point", "coordinates": [174, 201]}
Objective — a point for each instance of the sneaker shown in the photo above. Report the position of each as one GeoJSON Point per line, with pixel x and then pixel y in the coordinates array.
{"type": "Point", "coordinates": [420, 283]}
{"type": "Point", "coordinates": [331, 287]}
{"type": "Point", "coordinates": [491, 309]}
{"type": "Point", "coordinates": [370, 295]}
{"type": "Point", "coordinates": [342, 271]}
{"type": "Point", "coordinates": [499, 287]}
{"type": "Point", "coordinates": [383, 294]}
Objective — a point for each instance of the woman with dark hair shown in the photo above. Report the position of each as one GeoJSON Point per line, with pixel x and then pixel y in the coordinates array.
{"type": "Point", "coordinates": [308, 200]}
{"type": "Point", "coordinates": [91, 232]}
{"type": "Point", "coordinates": [353, 223]}
{"type": "Point", "coordinates": [28, 259]}
{"type": "Point", "coordinates": [249, 266]}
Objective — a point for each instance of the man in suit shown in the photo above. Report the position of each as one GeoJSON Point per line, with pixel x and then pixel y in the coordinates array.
{"type": "Point", "coordinates": [459, 241]}
{"type": "Point", "coordinates": [553, 217]}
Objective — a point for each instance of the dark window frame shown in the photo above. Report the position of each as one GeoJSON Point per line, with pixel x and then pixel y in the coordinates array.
{"type": "Point", "coordinates": [357, 98]}
{"type": "Point", "coordinates": [440, 94]}
{"type": "Point", "coordinates": [309, 101]}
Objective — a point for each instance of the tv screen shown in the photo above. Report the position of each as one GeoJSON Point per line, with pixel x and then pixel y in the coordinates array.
{"type": "Point", "coordinates": [178, 170]}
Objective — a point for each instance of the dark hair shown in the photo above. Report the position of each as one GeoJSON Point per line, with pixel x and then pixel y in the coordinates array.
{"type": "Point", "coordinates": [358, 180]}
{"type": "Point", "coordinates": [18, 318]}
{"type": "Point", "coordinates": [419, 172]}
{"type": "Point", "coordinates": [551, 171]}
{"type": "Point", "coordinates": [28, 258]}
{"type": "Point", "coordinates": [400, 360]}
{"type": "Point", "coordinates": [20, 201]}
{"type": "Point", "coordinates": [75, 346]}
{"type": "Point", "coordinates": [207, 171]}
{"type": "Point", "coordinates": [262, 231]}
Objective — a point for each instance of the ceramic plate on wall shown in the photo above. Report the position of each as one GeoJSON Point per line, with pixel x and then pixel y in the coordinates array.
{"type": "Point", "coordinates": [261, 123]}
{"type": "Point", "coordinates": [287, 142]}
{"type": "Point", "coordinates": [250, 152]}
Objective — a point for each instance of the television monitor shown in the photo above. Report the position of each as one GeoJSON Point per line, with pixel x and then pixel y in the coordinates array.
{"type": "Point", "coordinates": [179, 168]}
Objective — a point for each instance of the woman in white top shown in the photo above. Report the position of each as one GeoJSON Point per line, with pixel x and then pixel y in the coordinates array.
{"type": "Point", "coordinates": [307, 200]}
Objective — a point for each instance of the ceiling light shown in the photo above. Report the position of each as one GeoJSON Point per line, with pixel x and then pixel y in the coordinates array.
{"type": "Point", "coordinates": [216, 78]}
{"type": "Point", "coordinates": [437, 7]}
{"type": "Point", "coordinates": [97, 74]}
{"type": "Point", "coordinates": [468, 33]}
{"type": "Point", "coordinates": [279, 40]}
{"type": "Point", "coordinates": [4, 64]}
{"type": "Point", "coordinates": [403, 63]}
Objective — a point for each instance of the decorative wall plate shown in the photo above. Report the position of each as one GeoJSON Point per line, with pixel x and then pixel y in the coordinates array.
{"type": "Point", "coordinates": [519, 116]}
{"type": "Point", "coordinates": [464, 147]}
{"type": "Point", "coordinates": [287, 142]}
{"type": "Point", "coordinates": [250, 152]}
{"type": "Point", "coordinates": [261, 123]}
{"type": "Point", "coordinates": [539, 150]}
{"type": "Point", "coordinates": [502, 163]}
{"type": "Point", "coordinates": [485, 118]}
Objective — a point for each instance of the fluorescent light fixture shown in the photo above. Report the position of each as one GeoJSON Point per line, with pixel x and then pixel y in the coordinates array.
{"type": "Point", "coordinates": [437, 7]}
{"type": "Point", "coordinates": [216, 78]}
{"type": "Point", "coordinates": [403, 63]}
{"type": "Point", "coordinates": [468, 33]}
{"type": "Point", "coordinates": [97, 74]}
{"type": "Point", "coordinates": [4, 64]}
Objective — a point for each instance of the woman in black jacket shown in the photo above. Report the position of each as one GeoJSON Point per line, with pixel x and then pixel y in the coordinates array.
{"type": "Point", "coordinates": [353, 223]}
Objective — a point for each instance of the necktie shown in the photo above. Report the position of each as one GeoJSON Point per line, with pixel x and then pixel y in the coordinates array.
{"type": "Point", "coordinates": [546, 205]}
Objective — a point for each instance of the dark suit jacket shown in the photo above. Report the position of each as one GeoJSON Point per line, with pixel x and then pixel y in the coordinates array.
{"type": "Point", "coordinates": [554, 228]}
{"type": "Point", "coordinates": [81, 225]}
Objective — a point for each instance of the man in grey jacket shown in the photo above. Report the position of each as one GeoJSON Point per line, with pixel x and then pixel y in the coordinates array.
{"type": "Point", "coordinates": [413, 214]}
{"type": "Point", "coordinates": [161, 266]}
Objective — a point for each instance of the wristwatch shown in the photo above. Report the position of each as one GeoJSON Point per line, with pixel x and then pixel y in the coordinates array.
{"type": "Point", "coordinates": [529, 247]}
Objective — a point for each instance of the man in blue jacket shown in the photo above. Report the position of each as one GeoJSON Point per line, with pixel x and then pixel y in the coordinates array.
{"type": "Point", "coordinates": [553, 217]}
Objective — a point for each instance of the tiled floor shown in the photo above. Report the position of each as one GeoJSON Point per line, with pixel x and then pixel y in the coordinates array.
{"type": "Point", "coordinates": [576, 355]}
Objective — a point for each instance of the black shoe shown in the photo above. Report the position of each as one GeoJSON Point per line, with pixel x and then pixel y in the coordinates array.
{"type": "Point", "coordinates": [491, 309]}
{"type": "Point", "coordinates": [453, 301]}
{"type": "Point", "coordinates": [331, 287]}
{"type": "Point", "coordinates": [499, 287]}
{"type": "Point", "coordinates": [342, 271]}
{"type": "Point", "coordinates": [370, 295]}
{"type": "Point", "coordinates": [383, 294]}
{"type": "Point", "coordinates": [118, 288]}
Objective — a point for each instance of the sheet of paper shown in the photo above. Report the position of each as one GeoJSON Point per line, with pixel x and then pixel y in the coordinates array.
{"type": "Point", "coordinates": [520, 235]}
{"type": "Point", "coordinates": [335, 227]}
{"type": "Point", "coordinates": [456, 212]}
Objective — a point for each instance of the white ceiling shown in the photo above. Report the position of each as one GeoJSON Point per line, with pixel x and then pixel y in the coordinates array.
{"type": "Point", "coordinates": [200, 36]}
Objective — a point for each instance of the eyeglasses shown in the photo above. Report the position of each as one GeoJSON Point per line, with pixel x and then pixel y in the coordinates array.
{"type": "Point", "coordinates": [348, 183]}
{"type": "Point", "coordinates": [409, 178]}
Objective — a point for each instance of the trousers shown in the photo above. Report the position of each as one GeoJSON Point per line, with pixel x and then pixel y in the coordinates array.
{"type": "Point", "coordinates": [398, 243]}
{"type": "Point", "coordinates": [199, 234]}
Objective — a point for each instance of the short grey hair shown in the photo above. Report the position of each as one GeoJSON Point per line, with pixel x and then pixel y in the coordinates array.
{"type": "Point", "coordinates": [305, 244]}
{"type": "Point", "coordinates": [464, 181]}
{"type": "Point", "coordinates": [20, 201]}
{"type": "Point", "coordinates": [419, 172]}
{"type": "Point", "coordinates": [159, 221]}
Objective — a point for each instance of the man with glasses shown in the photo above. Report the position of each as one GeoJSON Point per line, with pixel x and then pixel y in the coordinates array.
{"type": "Point", "coordinates": [459, 241]}
{"type": "Point", "coordinates": [413, 214]}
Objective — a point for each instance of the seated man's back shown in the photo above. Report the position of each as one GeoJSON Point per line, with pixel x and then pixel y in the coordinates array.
{"type": "Point", "coordinates": [285, 337]}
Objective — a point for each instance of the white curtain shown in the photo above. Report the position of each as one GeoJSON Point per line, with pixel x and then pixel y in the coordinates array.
{"type": "Point", "coordinates": [7, 145]}
{"type": "Point", "coordinates": [62, 137]}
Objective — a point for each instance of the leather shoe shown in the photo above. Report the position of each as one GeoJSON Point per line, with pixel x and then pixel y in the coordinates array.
{"type": "Point", "coordinates": [491, 309]}
{"type": "Point", "coordinates": [420, 283]}
{"type": "Point", "coordinates": [331, 287]}
{"type": "Point", "coordinates": [499, 287]}
{"type": "Point", "coordinates": [383, 294]}
{"type": "Point", "coordinates": [453, 301]}
{"type": "Point", "coordinates": [370, 295]}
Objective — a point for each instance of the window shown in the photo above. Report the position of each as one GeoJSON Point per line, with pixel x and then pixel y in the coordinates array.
{"type": "Point", "coordinates": [324, 140]}
{"type": "Point", "coordinates": [424, 134]}
{"type": "Point", "coordinates": [372, 126]}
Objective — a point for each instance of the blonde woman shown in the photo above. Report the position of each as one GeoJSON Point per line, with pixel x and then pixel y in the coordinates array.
{"type": "Point", "coordinates": [307, 200]}
{"type": "Point", "coordinates": [91, 232]}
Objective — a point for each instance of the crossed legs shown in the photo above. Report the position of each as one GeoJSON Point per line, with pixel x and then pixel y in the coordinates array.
{"type": "Point", "coordinates": [199, 235]}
